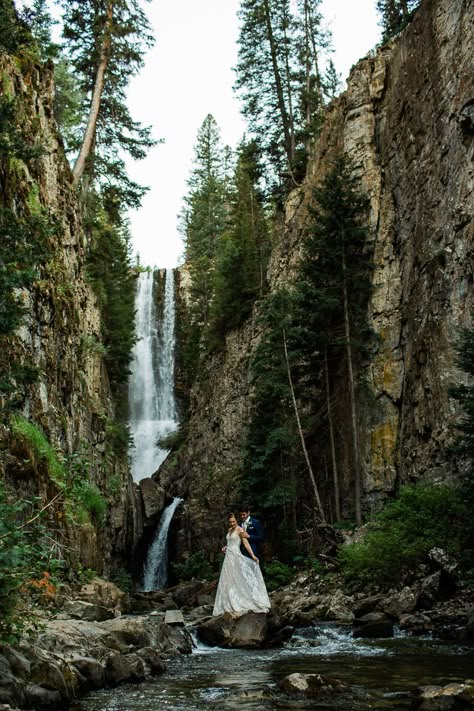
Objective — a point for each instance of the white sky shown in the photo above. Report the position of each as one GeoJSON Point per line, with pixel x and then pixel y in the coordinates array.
{"type": "Point", "coordinates": [187, 75]}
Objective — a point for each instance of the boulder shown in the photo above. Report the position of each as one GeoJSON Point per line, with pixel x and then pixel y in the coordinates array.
{"type": "Point", "coordinates": [117, 669]}
{"type": "Point", "coordinates": [10, 686]}
{"type": "Point", "coordinates": [104, 593]}
{"type": "Point", "coordinates": [367, 604]}
{"type": "Point", "coordinates": [444, 698]}
{"type": "Point", "coordinates": [89, 670]}
{"type": "Point", "coordinates": [173, 640]}
{"type": "Point", "coordinates": [152, 661]}
{"type": "Point", "coordinates": [66, 636]}
{"type": "Point", "coordinates": [400, 602]}
{"type": "Point", "coordinates": [19, 665]}
{"type": "Point", "coordinates": [247, 631]}
{"type": "Point", "coordinates": [174, 617]}
{"type": "Point", "coordinates": [82, 610]}
{"type": "Point", "coordinates": [153, 498]}
{"type": "Point", "coordinates": [130, 631]}
{"type": "Point", "coordinates": [470, 627]}
{"type": "Point", "coordinates": [334, 606]}
{"type": "Point", "coordinates": [440, 560]}
{"type": "Point", "coordinates": [374, 624]}
{"type": "Point", "coordinates": [310, 685]}
{"type": "Point", "coordinates": [186, 595]}
{"type": "Point", "coordinates": [41, 699]}
{"type": "Point", "coordinates": [438, 586]}
{"type": "Point", "coordinates": [417, 624]}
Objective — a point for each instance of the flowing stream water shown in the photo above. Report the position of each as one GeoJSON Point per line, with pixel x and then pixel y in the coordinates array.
{"type": "Point", "coordinates": [380, 674]}
{"type": "Point", "coordinates": [152, 404]}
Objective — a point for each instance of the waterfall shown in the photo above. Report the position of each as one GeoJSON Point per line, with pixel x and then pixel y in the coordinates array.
{"type": "Point", "coordinates": [152, 406]}
{"type": "Point", "coordinates": [156, 566]}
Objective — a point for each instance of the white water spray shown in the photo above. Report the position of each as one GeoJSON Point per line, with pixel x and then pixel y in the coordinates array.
{"type": "Point", "coordinates": [156, 566]}
{"type": "Point", "coordinates": [152, 404]}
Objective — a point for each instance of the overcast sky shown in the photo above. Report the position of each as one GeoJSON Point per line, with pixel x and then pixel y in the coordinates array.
{"type": "Point", "coordinates": [189, 74]}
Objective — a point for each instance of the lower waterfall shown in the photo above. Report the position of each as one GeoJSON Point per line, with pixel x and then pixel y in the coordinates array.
{"type": "Point", "coordinates": [156, 566]}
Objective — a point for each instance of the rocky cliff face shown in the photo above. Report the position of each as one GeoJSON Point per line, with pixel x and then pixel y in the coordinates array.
{"type": "Point", "coordinates": [407, 121]}
{"type": "Point", "coordinates": [61, 333]}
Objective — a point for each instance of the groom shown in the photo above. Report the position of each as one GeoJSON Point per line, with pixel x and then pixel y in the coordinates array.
{"type": "Point", "coordinates": [253, 529]}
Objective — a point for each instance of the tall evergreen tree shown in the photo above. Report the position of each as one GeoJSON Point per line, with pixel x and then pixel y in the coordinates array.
{"type": "Point", "coordinates": [106, 41]}
{"type": "Point", "coordinates": [243, 250]}
{"type": "Point", "coordinates": [332, 295]}
{"type": "Point", "coordinates": [278, 78]}
{"type": "Point", "coordinates": [203, 222]}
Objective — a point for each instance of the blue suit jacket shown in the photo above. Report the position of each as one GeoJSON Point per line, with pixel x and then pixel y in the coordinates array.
{"type": "Point", "coordinates": [256, 537]}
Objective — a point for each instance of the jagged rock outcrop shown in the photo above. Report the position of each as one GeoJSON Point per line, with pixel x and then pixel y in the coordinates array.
{"type": "Point", "coordinates": [70, 402]}
{"type": "Point", "coordinates": [406, 120]}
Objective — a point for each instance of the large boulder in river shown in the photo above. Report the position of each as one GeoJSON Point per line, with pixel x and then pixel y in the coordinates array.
{"type": "Point", "coordinates": [247, 632]}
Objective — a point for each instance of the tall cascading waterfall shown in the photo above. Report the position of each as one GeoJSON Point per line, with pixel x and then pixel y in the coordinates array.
{"type": "Point", "coordinates": [152, 404]}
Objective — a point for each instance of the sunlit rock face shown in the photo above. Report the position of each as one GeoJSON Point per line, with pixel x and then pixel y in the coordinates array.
{"type": "Point", "coordinates": [61, 334]}
{"type": "Point", "coordinates": [406, 120]}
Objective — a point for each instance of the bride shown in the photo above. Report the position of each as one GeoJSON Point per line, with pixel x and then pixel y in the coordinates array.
{"type": "Point", "coordinates": [241, 586]}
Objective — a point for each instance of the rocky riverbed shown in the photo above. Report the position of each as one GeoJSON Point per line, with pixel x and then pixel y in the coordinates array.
{"type": "Point", "coordinates": [100, 637]}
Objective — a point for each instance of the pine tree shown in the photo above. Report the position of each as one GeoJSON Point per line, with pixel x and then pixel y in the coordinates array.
{"type": "Point", "coordinates": [203, 222]}
{"type": "Point", "coordinates": [332, 84]}
{"type": "Point", "coordinates": [279, 82]}
{"type": "Point", "coordinates": [106, 41]}
{"type": "Point", "coordinates": [41, 22]}
{"type": "Point", "coordinates": [243, 250]}
{"type": "Point", "coordinates": [332, 295]}
{"type": "Point", "coordinates": [395, 15]}
{"type": "Point", "coordinates": [109, 266]}
{"type": "Point", "coordinates": [14, 30]}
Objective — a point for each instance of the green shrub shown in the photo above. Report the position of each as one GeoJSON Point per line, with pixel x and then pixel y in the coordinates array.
{"type": "Point", "coordinates": [85, 575]}
{"type": "Point", "coordinates": [422, 517]}
{"type": "Point", "coordinates": [123, 580]}
{"type": "Point", "coordinates": [196, 566]}
{"type": "Point", "coordinates": [39, 447]}
{"type": "Point", "coordinates": [83, 501]}
{"type": "Point", "coordinates": [26, 562]}
{"type": "Point", "coordinates": [277, 574]}
{"type": "Point", "coordinates": [90, 498]}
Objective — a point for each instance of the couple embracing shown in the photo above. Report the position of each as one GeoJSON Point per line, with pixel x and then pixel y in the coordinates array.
{"type": "Point", "coordinates": [241, 586]}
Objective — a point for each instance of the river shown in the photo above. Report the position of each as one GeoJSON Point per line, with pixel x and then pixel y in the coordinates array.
{"type": "Point", "coordinates": [381, 674]}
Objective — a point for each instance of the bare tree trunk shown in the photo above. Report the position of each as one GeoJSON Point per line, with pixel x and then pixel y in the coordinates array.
{"type": "Point", "coordinates": [300, 430]}
{"type": "Point", "coordinates": [335, 476]}
{"type": "Point", "coordinates": [89, 135]}
{"type": "Point", "coordinates": [355, 438]}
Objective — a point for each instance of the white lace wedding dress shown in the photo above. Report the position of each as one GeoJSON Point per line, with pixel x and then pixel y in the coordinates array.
{"type": "Point", "coordinates": [241, 586]}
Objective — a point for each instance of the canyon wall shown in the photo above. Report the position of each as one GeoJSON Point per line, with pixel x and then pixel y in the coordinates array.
{"type": "Point", "coordinates": [70, 402]}
{"type": "Point", "coordinates": [407, 121]}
